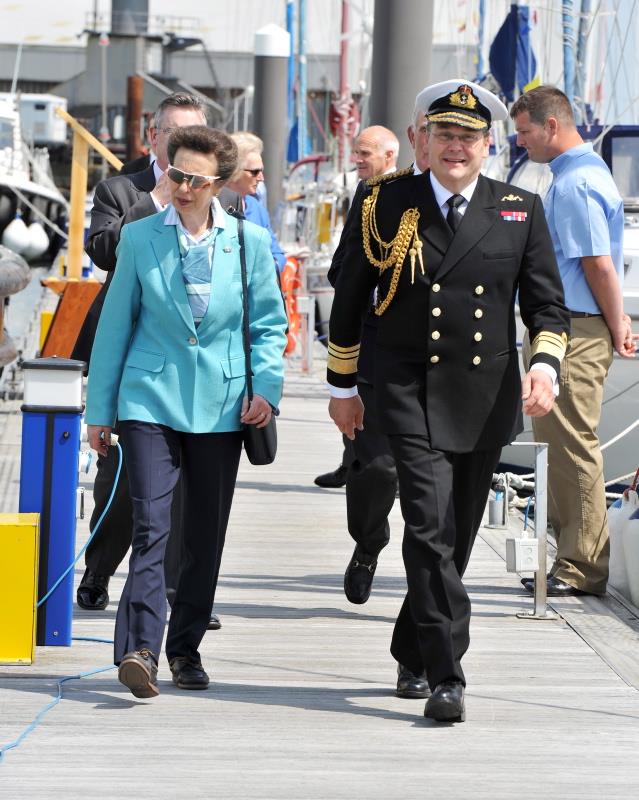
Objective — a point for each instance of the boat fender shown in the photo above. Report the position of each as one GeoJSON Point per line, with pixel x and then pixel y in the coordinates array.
{"type": "Point", "coordinates": [38, 242]}
{"type": "Point", "coordinates": [630, 541]}
{"type": "Point", "coordinates": [16, 235]}
{"type": "Point", "coordinates": [291, 283]}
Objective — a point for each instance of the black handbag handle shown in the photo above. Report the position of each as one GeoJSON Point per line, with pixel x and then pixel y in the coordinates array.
{"type": "Point", "coordinates": [245, 313]}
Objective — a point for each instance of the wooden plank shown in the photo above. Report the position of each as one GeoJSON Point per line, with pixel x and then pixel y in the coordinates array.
{"type": "Point", "coordinates": [69, 316]}
{"type": "Point", "coordinates": [301, 704]}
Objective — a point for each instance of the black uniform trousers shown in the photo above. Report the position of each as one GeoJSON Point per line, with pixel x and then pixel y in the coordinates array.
{"type": "Point", "coordinates": [442, 496]}
{"type": "Point", "coordinates": [156, 457]}
{"type": "Point", "coordinates": [371, 482]}
{"type": "Point", "coordinates": [113, 538]}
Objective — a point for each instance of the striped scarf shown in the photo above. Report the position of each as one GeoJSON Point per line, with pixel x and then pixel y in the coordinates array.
{"type": "Point", "coordinates": [197, 260]}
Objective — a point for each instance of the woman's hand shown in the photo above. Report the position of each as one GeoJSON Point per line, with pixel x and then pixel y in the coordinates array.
{"type": "Point", "coordinates": [99, 437]}
{"type": "Point", "coordinates": [259, 413]}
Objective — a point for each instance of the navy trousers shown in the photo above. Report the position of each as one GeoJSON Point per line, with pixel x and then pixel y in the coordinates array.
{"type": "Point", "coordinates": [156, 457]}
{"type": "Point", "coordinates": [443, 496]}
{"type": "Point", "coordinates": [112, 540]}
{"type": "Point", "coordinates": [371, 482]}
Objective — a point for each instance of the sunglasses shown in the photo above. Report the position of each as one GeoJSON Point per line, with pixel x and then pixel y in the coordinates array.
{"type": "Point", "coordinates": [194, 181]}
{"type": "Point", "coordinates": [255, 172]}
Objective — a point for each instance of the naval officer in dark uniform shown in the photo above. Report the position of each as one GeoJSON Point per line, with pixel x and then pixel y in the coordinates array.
{"type": "Point", "coordinates": [448, 251]}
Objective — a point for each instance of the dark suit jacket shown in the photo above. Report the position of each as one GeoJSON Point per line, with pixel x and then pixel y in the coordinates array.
{"type": "Point", "coordinates": [447, 362]}
{"type": "Point", "coordinates": [366, 364]}
{"type": "Point", "coordinates": [117, 201]}
{"type": "Point", "coordinates": [136, 165]}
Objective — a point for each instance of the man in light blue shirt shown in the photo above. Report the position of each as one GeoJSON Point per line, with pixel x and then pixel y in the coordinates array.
{"type": "Point", "coordinates": [585, 216]}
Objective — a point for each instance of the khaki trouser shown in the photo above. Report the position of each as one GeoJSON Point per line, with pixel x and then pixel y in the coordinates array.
{"type": "Point", "coordinates": [576, 491]}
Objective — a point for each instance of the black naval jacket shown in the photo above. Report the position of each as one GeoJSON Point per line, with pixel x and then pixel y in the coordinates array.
{"type": "Point", "coordinates": [366, 363]}
{"type": "Point", "coordinates": [446, 359]}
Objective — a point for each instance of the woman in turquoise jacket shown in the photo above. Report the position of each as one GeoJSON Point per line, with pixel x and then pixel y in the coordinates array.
{"type": "Point", "coordinates": [168, 364]}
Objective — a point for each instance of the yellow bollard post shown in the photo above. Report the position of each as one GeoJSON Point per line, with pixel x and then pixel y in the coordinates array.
{"type": "Point", "coordinates": [79, 175]}
{"type": "Point", "coordinates": [18, 587]}
{"type": "Point", "coordinates": [82, 140]}
{"type": "Point", "coordinates": [45, 324]}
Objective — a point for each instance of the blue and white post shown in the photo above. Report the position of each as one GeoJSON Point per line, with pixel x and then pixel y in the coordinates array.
{"type": "Point", "coordinates": [51, 416]}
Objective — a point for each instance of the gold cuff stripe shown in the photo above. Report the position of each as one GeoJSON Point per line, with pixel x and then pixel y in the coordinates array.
{"type": "Point", "coordinates": [345, 366]}
{"type": "Point", "coordinates": [552, 344]}
{"type": "Point", "coordinates": [458, 119]}
{"type": "Point", "coordinates": [335, 348]}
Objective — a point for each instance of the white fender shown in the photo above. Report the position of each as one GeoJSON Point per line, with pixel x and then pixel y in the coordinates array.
{"type": "Point", "coordinates": [38, 241]}
{"type": "Point", "coordinates": [618, 513]}
{"type": "Point", "coordinates": [16, 235]}
{"type": "Point", "coordinates": [630, 539]}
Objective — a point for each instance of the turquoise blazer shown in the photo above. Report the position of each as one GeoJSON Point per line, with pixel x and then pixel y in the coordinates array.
{"type": "Point", "coordinates": [149, 362]}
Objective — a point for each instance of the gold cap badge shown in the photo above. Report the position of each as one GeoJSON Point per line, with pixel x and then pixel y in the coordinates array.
{"type": "Point", "coordinates": [463, 98]}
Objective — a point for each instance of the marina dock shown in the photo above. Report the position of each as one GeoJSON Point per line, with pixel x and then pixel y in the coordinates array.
{"type": "Point", "coordinates": [301, 703]}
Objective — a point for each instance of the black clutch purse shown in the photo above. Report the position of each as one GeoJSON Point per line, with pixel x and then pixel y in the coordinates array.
{"type": "Point", "coordinates": [260, 444]}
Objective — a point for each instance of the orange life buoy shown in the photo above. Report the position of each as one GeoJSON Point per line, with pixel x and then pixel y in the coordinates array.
{"type": "Point", "coordinates": [290, 281]}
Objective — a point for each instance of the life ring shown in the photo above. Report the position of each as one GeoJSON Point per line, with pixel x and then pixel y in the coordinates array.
{"type": "Point", "coordinates": [290, 281]}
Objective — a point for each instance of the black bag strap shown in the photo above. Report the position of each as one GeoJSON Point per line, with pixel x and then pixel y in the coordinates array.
{"type": "Point", "coordinates": [245, 312]}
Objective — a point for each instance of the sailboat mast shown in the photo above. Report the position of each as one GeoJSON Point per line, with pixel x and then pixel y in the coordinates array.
{"type": "Point", "coordinates": [582, 60]}
{"type": "Point", "coordinates": [301, 95]}
{"type": "Point", "coordinates": [481, 60]}
{"type": "Point", "coordinates": [290, 23]}
{"type": "Point", "coordinates": [343, 89]}
{"type": "Point", "coordinates": [568, 45]}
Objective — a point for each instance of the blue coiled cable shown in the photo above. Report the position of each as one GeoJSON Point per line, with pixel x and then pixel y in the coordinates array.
{"type": "Point", "coordinates": [53, 703]}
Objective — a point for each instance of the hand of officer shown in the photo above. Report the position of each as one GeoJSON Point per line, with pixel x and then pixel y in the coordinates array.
{"type": "Point", "coordinates": [259, 412]}
{"type": "Point", "coordinates": [162, 191]}
{"type": "Point", "coordinates": [99, 437]}
{"type": "Point", "coordinates": [348, 414]}
{"type": "Point", "coordinates": [537, 393]}
{"type": "Point", "coordinates": [625, 343]}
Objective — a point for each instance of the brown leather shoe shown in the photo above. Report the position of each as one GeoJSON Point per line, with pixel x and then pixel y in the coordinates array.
{"type": "Point", "coordinates": [139, 673]}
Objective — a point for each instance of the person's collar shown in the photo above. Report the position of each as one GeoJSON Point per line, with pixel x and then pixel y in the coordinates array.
{"type": "Point", "coordinates": [560, 162]}
{"type": "Point", "coordinates": [156, 170]}
{"type": "Point", "coordinates": [219, 217]}
{"type": "Point", "coordinates": [442, 194]}
{"type": "Point", "coordinates": [390, 169]}
{"type": "Point", "coordinates": [416, 169]}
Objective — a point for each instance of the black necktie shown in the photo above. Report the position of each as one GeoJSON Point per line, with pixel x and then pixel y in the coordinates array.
{"type": "Point", "coordinates": [453, 218]}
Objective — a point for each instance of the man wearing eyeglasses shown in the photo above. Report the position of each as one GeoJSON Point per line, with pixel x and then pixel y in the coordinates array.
{"type": "Point", "coordinates": [448, 251]}
{"type": "Point", "coordinates": [117, 201]}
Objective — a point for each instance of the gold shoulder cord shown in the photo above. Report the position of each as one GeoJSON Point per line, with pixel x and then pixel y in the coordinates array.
{"type": "Point", "coordinates": [392, 253]}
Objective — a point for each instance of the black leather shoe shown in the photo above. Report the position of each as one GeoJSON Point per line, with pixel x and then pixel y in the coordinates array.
{"type": "Point", "coordinates": [92, 594]}
{"type": "Point", "coordinates": [214, 623]}
{"type": "Point", "coordinates": [446, 704]}
{"type": "Point", "coordinates": [358, 578]}
{"type": "Point", "coordinates": [138, 671]}
{"type": "Point", "coordinates": [188, 673]}
{"type": "Point", "coordinates": [333, 480]}
{"type": "Point", "coordinates": [554, 587]}
{"type": "Point", "coordinates": [410, 685]}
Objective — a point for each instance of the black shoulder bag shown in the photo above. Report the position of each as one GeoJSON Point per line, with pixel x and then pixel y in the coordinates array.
{"type": "Point", "coordinates": [260, 444]}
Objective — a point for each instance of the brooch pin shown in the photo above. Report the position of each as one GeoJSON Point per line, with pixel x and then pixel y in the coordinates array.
{"type": "Point", "coordinates": [514, 216]}
{"type": "Point", "coordinates": [512, 198]}
{"type": "Point", "coordinates": [228, 249]}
